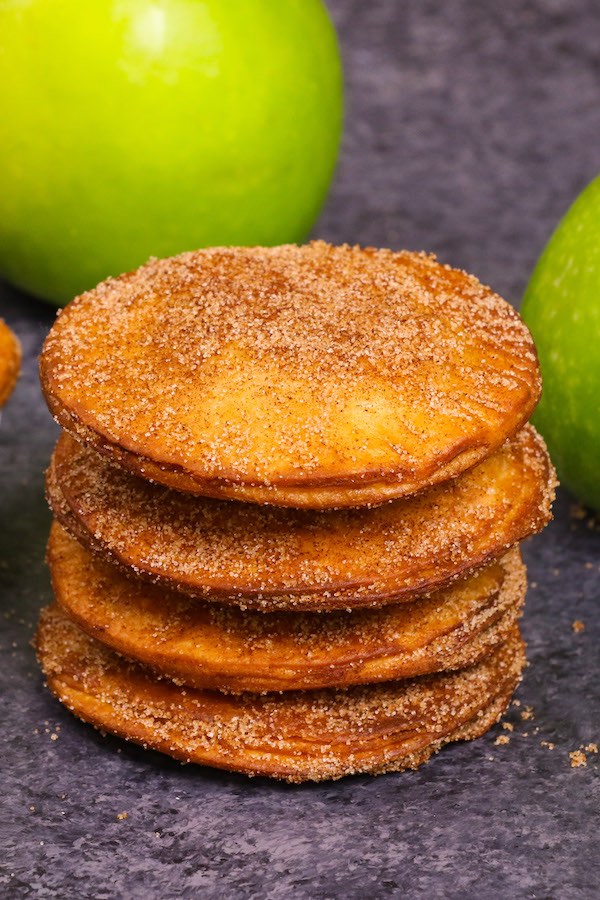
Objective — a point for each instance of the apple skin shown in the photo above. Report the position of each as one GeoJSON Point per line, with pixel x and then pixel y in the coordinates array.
{"type": "Point", "coordinates": [562, 309]}
{"type": "Point", "coordinates": [137, 128]}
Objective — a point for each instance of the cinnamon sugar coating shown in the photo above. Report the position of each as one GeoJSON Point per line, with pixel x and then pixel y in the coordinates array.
{"type": "Point", "coordinates": [10, 361]}
{"type": "Point", "coordinates": [298, 736]}
{"type": "Point", "coordinates": [311, 376]}
{"type": "Point", "coordinates": [268, 558]}
{"type": "Point", "coordinates": [208, 646]}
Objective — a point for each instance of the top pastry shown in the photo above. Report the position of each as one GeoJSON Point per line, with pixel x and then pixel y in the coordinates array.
{"type": "Point", "coordinates": [311, 376]}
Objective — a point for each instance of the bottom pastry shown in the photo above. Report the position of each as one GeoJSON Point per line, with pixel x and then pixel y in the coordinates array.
{"type": "Point", "coordinates": [295, 736]}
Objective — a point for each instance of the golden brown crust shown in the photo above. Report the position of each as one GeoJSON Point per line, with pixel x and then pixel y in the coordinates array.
{"type": "Point", "coordinates": [268, 558]}
{"type": "Point", "coordinates": [10, 361]}
{"type": "Point", "coordinates": [296, 736]}
{"type": "Point", "coordinates": [312, 376]}
{"type": "Point", "coordinates": [208, 646]}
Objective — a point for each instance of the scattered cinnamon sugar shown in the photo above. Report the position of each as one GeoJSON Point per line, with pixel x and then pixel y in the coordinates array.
{"type": "Point", "coordinates": [548, 744]}
{"type": "Point", "coordinates": [591, 748]}
{"type": "Point", "coordinates": [527, 714]}
{"type": "Point", "coordinates": [578, 626]}
{"type": "Point", "coordinates": [591, 520]}
{"type": "Point", "coordinates": [508, 726]}
{"type": "Point", "coordinates": [502, 739]}
{"type": "Point", "coordinates": [122, 815]}
{"type": "Point", "coordinates": [578, 758]}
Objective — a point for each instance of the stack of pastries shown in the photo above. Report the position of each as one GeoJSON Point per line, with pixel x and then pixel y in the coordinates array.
{"type": "Point", "coordinates": [288, 499]}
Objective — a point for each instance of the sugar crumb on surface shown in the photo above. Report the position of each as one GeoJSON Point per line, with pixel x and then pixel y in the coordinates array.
{"type": "Point", "coordinates": [578, 626]}
{"type": "Point", "coordinates": [578, 759]}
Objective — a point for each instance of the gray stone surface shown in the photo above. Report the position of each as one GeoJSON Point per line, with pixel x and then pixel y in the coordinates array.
{"type": "Point", "coordinates": [470, 127]}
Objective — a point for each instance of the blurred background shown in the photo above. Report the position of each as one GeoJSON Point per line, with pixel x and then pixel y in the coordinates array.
{"type": "Point", "coordinates": [470, 128]}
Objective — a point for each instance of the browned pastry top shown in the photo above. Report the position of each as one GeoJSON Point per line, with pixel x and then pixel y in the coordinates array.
{"type": "Point", "coordinates": [312, 376]}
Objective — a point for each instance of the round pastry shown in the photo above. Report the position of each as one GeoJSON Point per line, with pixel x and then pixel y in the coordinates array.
{"type": "Point", "coordinates": [312, 376]}
{"type": "Point", "coordinates": [298, 736]}
{"type": "Point", "coordinates": [209, 646]}
{"type": "Point", "coordinates": [268, 558]}
{"type": "Point", "coordinates": [10, 361]}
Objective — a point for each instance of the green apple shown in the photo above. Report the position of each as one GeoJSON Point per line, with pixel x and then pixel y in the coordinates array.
{"type": "Point", "coordinates": [137, 128]}
{"type": "Point", "coordinates": [562, 309]}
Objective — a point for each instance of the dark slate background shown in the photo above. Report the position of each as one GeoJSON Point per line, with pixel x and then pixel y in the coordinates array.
{"type": "Point", "coordinates": [470, 128]}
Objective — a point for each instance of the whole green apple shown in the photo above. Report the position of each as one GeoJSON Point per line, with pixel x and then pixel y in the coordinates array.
{"type": "Point", "coordinates": [562, 309]}
{"type": "Point", "coordinates": [137, 128]}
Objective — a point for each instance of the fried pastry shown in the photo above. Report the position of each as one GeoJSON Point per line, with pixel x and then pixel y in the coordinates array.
{"type": "Point", "coordinates": [10, 361]}
{"type": "Point", "coordinates": [296, 736]}
{"type": "Point", "coordinates": [208, 646]}
{"type": "Point", "coordinates": [268, 558]}
{"type": "Point", "coordinates": [312, 376]}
